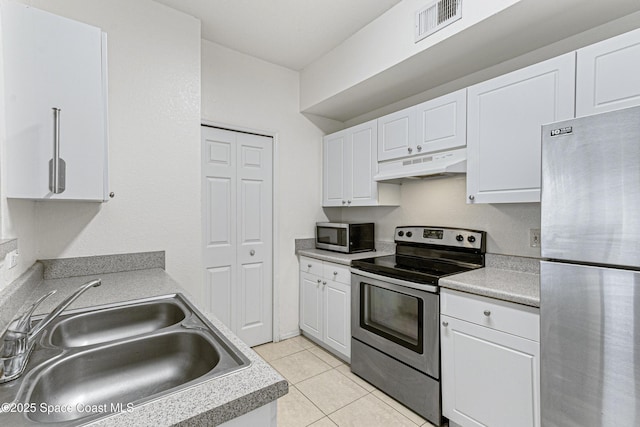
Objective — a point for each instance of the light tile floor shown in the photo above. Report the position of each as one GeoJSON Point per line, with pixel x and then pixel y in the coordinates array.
{"type": "Point", "coordinates": [324, 393]}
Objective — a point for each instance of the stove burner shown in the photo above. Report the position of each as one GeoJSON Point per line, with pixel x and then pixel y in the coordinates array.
{"type": "Point", "coordinates": [414, 269]}
{"type": "Point", "coordinates": [425, 254]}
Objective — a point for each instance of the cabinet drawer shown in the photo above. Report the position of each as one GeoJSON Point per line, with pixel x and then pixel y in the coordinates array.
{"type": "Point", "coordinates": [516, 319]}
{"type": "Point", "coordinates": [310, 265]}
{"type": "Point", "coordinates": [337, 272]}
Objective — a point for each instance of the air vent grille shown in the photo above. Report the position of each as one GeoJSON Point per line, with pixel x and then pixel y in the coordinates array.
{"type": "Point", "coordinates": [436, 16]}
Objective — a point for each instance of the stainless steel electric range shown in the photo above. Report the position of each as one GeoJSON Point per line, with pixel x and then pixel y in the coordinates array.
{"type": "Point", "coordinates": [395, 311]}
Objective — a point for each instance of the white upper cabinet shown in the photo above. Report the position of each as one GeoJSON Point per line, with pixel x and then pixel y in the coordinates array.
{"type": "Point", "coordinates": [503, 129]}
{"type": "Point", "coordinates": [349, 164]}
{"type": "Point", "coordinates": [362, 159]}
{"type": "Point", "coordinates": [334, 191]}
{"type": "Point", "coordinates": [435, 125]}
{"type": "Point", "coordinates": [55, 91]}
{"type": "Point", "coordinates": [608, 75]}
{"type": "Point", "coordinates": [397, 134]}
{"type": "Point", "coordinates": [442, 123]}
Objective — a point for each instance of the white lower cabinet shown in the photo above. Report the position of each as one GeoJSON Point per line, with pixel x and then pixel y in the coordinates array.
{"type": "Point", "coordinates": [325, 304]}
{"type": "Point", "coordinates": [490, 361]}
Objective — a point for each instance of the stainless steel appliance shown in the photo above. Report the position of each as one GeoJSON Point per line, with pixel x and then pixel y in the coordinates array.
{"type": "Point", "coordinates": [347, 237]}
{"type": "Point", "coordinates": [590, 280]}
{"type": "Point", "coordinates": [395, 311]}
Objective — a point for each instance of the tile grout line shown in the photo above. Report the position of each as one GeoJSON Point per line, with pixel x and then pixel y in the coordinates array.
{"type": "Point", "coordinates": [394, 409]}
{"type": "Point", "coordinates": [325, 415]}
{"type": "Point", "coordinates": [333, 369]}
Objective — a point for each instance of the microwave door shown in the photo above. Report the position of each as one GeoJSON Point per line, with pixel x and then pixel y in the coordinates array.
{"type": "Point", "coordinates": [332, 238]}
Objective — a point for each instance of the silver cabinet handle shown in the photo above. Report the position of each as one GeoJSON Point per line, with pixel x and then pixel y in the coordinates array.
{"type": "Point", "coordinates": [419, 147]}
{"type": "Point", "coordinates": [343, 202]}
{"type": "Point", "coordinates": [324, 283]}
{"type": "Point", "coordinates": [57, 166]}
{"type": "Point", "coordinates": [445, 323]}
{"type": "Point", "coordinates": [487, 313]}
{"type": "Point", "coordinates": [308, 265]}
{"type": "Point", "coordinates": [335, 273]}
{"type": "Point", "coordinates": [472, 197]}
{"type": "Point", "coordinates": [348, 202]}
{"type": "Point", "coordinates": [319, 281]}
{"type": "Point", "coordinates": [252, 252]}
{"type": "Point", "coordinates": [409, 150]}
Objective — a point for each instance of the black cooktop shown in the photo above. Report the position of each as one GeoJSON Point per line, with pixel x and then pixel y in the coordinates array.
{"type": "Point", "coordinates": [413, 269]}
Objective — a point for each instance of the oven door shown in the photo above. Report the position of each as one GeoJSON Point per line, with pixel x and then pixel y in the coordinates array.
{"type": "Point", "coordinates": [398, 320]}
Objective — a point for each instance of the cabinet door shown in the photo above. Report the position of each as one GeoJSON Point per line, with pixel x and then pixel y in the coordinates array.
{"type": "Point", "coordinates": [333, 170]}
{"type": "Point", "coordinates": [503, 133]}
{"type": "Point", "coordinates": [337, 317]}
{"type": "Point", "coordinates": [363, 161]}
{"type": "Point", "coordinates": [608, 75]}
{"type": "Point", "coordinates": [482, 368]}
{"type": "Point", "coordinates": [311, 305]}
{"type": "Point", "coordinates": [442, 123]}
{"type": "Point", "coordinates": [67, 71]}
{"type": "Point", "coordinates": [397, 134]}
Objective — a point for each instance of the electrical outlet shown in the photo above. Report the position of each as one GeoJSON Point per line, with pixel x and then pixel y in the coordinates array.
{"type": "Point", "coordinates": [534, 237]}
{"type": "Point", "coordinates": [11, 260]}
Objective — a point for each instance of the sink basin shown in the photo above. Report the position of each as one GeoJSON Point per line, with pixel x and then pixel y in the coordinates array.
{"type": "Point", "coordinates": [110, 324]}
{"type": "Point", "coordinates": [92, 362]}
{"type": "Point", "coordinates": [118, 374]}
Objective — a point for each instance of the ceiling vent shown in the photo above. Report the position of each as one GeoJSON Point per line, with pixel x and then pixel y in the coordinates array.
{"type": "Point", "coordinates": [436, 16]}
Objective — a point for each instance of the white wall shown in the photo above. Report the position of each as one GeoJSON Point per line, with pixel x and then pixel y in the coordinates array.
{"type": "Point", "coordinates": [154, 146]}
{"type": "Point", "coordinates": [382, 44]}
{"type": "Point", "coordinates": [442, 202]}
{"type": "Point", "coordinates": [241, 91]}
{"type": "Point", "coordinates": [17, 217]}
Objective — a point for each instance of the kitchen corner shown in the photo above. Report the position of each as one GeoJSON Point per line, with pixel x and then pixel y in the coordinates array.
{"type": "Point", "coordinates": [306, 247]}
{"type": "Point", "coordinates": [212, 402]}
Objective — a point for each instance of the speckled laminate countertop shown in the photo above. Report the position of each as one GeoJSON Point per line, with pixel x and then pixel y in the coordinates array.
{"type": "Point", "coordinates": [340, 258]}
{"type": "Point", "coordinates": [210, 403]}
{"type": "Point", "coordinates": [508, 278]}
{"type": "Point", "coordinates": [508, 285]}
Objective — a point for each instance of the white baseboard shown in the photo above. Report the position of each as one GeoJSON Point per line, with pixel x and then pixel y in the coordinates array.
{"type": "Point", "coordinates": [290, 334]}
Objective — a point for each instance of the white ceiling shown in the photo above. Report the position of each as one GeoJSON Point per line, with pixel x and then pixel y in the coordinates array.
{"type": "Point", "coordinates": [291, 33]}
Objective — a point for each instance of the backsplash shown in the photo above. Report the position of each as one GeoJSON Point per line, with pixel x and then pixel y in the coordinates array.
{"type": "Point", "coordinates": [442, 202]}
{"type": "Point", "coordinates": [101, 264]}
{"type": "Point", "coordinates": [384, 246]}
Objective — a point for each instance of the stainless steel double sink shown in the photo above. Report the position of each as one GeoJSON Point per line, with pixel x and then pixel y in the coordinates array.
{"type": "Point", "coordinates": [93, 362]}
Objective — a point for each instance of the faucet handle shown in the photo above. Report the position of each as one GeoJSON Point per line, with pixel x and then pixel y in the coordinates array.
{"type": "Point", "coordinates": [22, 323]}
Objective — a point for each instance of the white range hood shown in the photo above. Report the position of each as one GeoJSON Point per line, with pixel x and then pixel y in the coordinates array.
{"type": "Point", "coordinates": [426, 166]}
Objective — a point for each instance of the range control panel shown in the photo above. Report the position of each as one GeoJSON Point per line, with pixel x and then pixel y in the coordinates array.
{"type": "Point", "coordinates": [442, 236]}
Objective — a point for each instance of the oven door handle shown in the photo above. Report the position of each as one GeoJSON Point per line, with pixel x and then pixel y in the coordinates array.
{"type": "Point", "coordinates": [413, 285]}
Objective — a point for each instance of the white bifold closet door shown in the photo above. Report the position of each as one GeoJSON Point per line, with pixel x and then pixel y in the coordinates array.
{"type": "Point", "coordinates": [237, 208]}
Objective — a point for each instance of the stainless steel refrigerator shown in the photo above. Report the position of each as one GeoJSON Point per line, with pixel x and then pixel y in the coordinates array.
{"type": "Point", "coordinates": [590, 279]}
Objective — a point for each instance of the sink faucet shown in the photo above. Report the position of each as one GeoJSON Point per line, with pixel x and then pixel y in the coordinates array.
{"type": "Point", "coordinates": [19, 339]}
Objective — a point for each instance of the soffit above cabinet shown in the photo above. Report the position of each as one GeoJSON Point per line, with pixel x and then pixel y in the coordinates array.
{"type": "Point", "coordinates": [361, 75]}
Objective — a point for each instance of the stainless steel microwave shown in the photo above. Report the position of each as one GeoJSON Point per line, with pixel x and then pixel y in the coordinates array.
{"type": "Point", "coordinates": [346, 237]}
